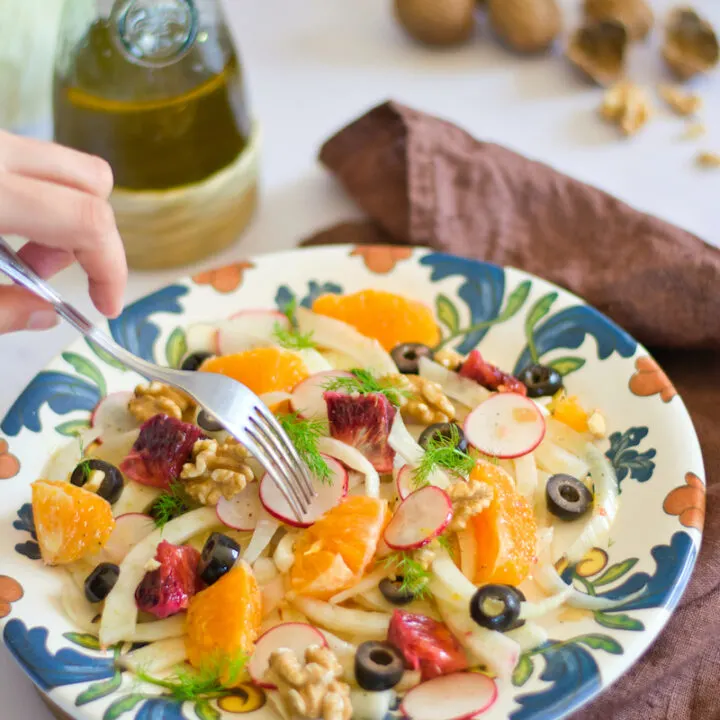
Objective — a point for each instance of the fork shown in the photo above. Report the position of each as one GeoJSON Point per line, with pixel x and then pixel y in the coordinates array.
{"type": "Point", "coordinates": [239, 410]}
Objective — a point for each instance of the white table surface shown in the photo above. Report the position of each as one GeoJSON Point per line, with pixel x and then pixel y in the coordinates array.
{"type": "Point", "coordinates": [312, 66]}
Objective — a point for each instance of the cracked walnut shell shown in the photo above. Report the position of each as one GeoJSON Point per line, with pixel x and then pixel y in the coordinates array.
{"type": "Point", "coordinates": [635, 15]}
{"type": "Point", "coordinates": [626, 105]}
{"type": "Point", "coordinates": [158, 399]}
{"type": "Point", "coordinates": [599, 51]}
{"type": "Point", "coordinates": [691, 45]}
{"type": "Point", "coordinates": [527, 26]}
{"type": "Point", "coordinates": [216, 470]}
{"type": "Point", "coordinates": [311, 689]}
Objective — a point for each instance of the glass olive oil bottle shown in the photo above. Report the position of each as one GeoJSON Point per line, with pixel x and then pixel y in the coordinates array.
{"type": "Point", "coordinates": [155, 87]}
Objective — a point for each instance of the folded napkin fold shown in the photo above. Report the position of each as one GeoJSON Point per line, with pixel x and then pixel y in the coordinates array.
{"type": "Point", "coordinates": [424, 181]}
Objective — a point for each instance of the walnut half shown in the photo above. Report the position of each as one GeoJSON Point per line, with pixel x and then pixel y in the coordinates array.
{"type": "Point", "coordinates": [424, 402]}
{"type": "Point", "coordinates": [311, 689]}
{"type": "Point", "coordinates": [217, 470]}
{"type": "Point", "coordinates": [468, 498]}
{"type": "Point", "coordinates": [158, 399]}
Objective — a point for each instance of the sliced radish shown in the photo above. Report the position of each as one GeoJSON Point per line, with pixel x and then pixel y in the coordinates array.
{"type": "Point", "coordinates": [243, 511]}
{"type": "Point", "coordinates": [506, 425]}
{"type": "Point", "coordinates": [111, 414]}
{"type": "Point", "coordinates": [248, 329]}
{"type": "Point", "coordinates": [202, 337]}
{"type": "Point", "coordinates": [327, 495]}
{"type": "Point", "coordinates": [423, 515]}
{"type": "Point", "coordinates": [294, 636]}
{"type": "Point", "coordinates": [458, 696]}
{"type": "Point", "coordinates": [129, 530]}
{"type": "Point", "coordinates": [307, 397]}
{"type": "Point", "coordinates": [404, 481]}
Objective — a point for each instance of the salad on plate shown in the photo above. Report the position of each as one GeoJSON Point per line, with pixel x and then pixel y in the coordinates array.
{"type": "Point", "coordinates": [447, 493]}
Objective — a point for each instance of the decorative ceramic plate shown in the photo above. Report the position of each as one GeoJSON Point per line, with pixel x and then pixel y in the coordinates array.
{"type": "Point", "coordinates": [515, 318]}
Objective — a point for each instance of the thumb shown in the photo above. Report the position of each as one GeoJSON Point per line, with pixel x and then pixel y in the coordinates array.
{"type": "Point", "coordinates": [21, 310]}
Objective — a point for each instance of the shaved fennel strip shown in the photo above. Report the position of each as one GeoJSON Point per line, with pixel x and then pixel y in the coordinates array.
{"type": "Point", "coordinates": [284, 556]}
{"type": "Point", "coordinates": [156, 657]}
{"type": "Point", "coordinates": [526, 475]}
{"type": "Point", "coordinates": [369, 625]}
{"type": "Point", "coordinates": [528, 636]}
{"type": "Point", "coordinates": [403, 443]}
{"type": "Point", "coordinates": [555, 460]}
{"type": "Point", "coordinates": [532, 610]}
{"type": "Point", "coordinates": [119, 618]}
{"type": "Point", "coordinates": [336, 335]}
{"type": "Point", "coordinates": [565, 437]}
{"type": "Point", "coordinates": [367, 583]}
{"type": "Point", "coordinates": [374, 600]}
{"type": "Point", "coordinates": [605, 506]}
{"type": "Point", "coordinates": [456, 387]}
{"type": "Point", "coordinates": [262, 536]}
{"type": "Point", "coordinates": [453, 591]}
{"type": "Point", "coordinates": [354, 459]}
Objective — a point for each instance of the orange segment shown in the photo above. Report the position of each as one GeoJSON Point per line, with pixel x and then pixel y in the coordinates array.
{"type": "Point", "coordinates": [391, 319]}
{"type": "Point", "coordinates": [568, 410]}
{"type": "Point", "coordinates": [505, 533]}
{"type": "Point", "coordinates": [263, 370]}
{"type": "Point", "coordinates": [334, 553]}
{"type": "Point", "coordinates": [70, 522]}
{"type": "Point", "coordinates": [223, 620]}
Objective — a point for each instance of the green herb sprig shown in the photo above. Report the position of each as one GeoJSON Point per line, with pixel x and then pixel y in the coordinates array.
{"type": "Point", "coordinates": [304, 433]}
{"type": "Point", "coordinates": [364, 382]}
{"type": "Point", "coordinates": [215, 678]}
{"type": "Point", "coordinates": [292, 338]}
{"type": "Point", "coordinates": [169, 505]}
{"type": "Point", "coordinates": [441, 451]}
{"type": "Point", "coordinates": [415, 578]}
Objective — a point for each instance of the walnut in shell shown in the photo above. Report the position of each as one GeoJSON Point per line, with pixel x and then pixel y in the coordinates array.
{"type": "Point", "coordinates": [437, 22]}
{"type": "Point", "coordinates": [527, 26]}
{"type": "Point", "coordinates": [636, 15]}
{"type": "Point", "coordinates": [599, 50]}
{"type": "Point", "coordinates": [691, 45]}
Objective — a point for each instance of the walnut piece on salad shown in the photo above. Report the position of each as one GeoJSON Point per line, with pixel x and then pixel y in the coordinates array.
{"type": "Point", "coordinates": [468, 498]}
{"type": "Point", "coordinates": [158, 399]}
{"type": "Point", "coordinates": [216, 470]}
{"type": "Point", "coordinates": [448, 358]}
{"type": "Point", "coordinates": [425, 402]}
{"type": "Point", "coordinates": [311, 689]}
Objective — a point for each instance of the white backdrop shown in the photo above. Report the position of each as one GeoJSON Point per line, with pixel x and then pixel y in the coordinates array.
{"type": "Point", "coordinates": [316, 64]}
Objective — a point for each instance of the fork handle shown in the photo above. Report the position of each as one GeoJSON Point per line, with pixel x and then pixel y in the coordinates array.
{"type": "Point", "coordinates": [21, 273]}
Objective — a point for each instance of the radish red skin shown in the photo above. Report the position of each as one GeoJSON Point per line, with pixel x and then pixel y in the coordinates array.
{"type": "Point", "coordinates": [528, 405]}
{"type": "Point", "coordinates": [281, 631]}
{"type": "Point", "coordinates": [428, 502]}
{"type": "Point", "coordinates": [422, 695]}
{"type": "Point", "coordinates": [340, 474]}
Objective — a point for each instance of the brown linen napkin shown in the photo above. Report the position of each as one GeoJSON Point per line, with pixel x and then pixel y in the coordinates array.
{"type": "Point", "coordinates": [424, 181]}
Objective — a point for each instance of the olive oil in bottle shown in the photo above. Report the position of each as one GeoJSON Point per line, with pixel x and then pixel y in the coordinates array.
{"type": "Point", "coordinates": [160, 96]}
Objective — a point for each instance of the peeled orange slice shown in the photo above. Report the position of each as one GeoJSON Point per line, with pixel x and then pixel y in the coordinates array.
{"type": "Point", "coordinates": [70, 522]}
{"type": "Point", "coordinates": [335, 552]}
{"type": "Point", "coordinates": [389, 318]}
{"type": "Point", "coordinates": [263, 370]}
